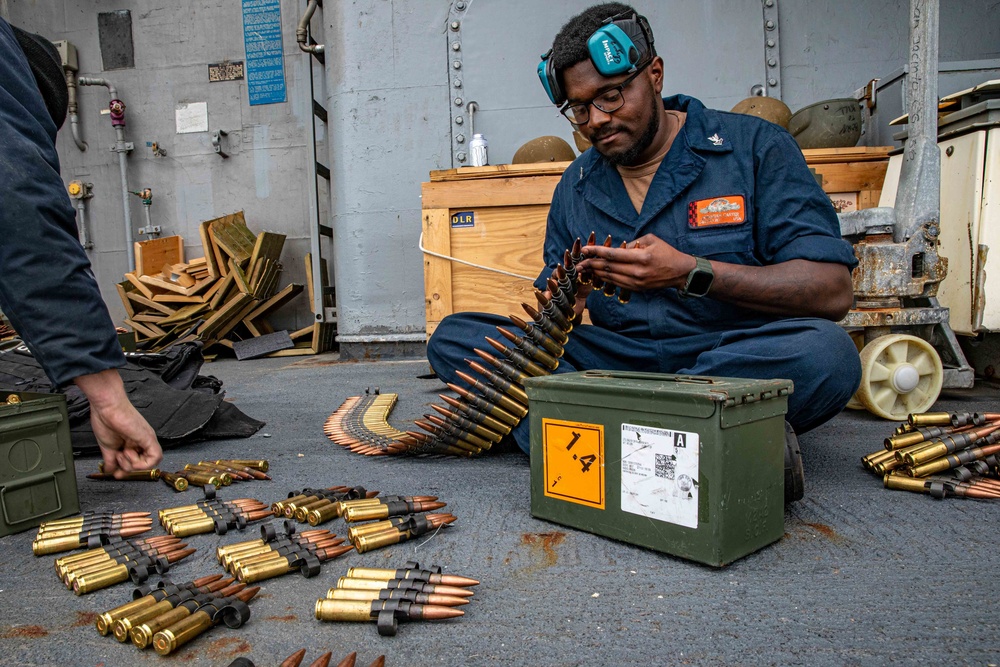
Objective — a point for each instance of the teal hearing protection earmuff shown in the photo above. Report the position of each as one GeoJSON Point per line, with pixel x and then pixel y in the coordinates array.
{"type": "Point", "coordinates": [615, 48]}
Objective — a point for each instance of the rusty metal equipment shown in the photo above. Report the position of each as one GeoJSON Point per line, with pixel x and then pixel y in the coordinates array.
{"type": "Point", "coordinates": [908, 349]}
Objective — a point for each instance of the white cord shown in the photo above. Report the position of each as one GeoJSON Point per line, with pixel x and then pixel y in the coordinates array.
{"type": "Point", "coordinates": [420, 243]}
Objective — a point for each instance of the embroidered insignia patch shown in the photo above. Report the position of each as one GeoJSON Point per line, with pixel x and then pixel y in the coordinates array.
{"type": "Point", "coordinates": [728, 210]}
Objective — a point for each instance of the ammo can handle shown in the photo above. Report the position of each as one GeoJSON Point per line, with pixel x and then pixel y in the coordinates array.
{"type": "Point", "coordinates": [30, 421]}
{"type": "Point", "coordinates": [660, 377]}
{"type": "Point", "coordinates": [31, 481]}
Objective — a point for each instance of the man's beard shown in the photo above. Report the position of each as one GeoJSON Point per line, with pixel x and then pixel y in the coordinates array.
{"type": "Point", "coordinates": [627, 156]}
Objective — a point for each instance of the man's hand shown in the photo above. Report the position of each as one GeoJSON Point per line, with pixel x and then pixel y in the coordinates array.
{"type": "Point", "coordinates": [127, 441]}
{"type": "Point", "coordinates": [796, 288]}
{"type": "Point", "coordinates": [644, 264]}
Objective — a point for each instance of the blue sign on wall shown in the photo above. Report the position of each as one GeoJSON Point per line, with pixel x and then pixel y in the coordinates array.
{"type": "Point", "coordinates": [265, 62]}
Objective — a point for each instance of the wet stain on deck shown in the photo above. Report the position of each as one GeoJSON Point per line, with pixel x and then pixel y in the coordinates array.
{"type": "Point", "coordinates": [84, 618]}
{"type": "Point", "coordinates": [547, 543]}
{"type": "Point", "coordinates": [23, 632]}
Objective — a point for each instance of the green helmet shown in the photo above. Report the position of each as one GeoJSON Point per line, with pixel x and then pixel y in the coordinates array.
{"type": "Point", "coordinates": [827, 124]}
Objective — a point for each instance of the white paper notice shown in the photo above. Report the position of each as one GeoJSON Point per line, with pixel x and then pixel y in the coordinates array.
{"type": "Point", "coordinates": [660, 474]}
{"type": "Point", "coordinates": [192, 117]}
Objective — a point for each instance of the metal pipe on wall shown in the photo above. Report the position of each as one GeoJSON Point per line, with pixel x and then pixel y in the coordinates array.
{"type": "Point", "coordinates": [122, 147]}
{"type": "Point", "coordinates": [302, 32]}
{"type": "Point", "coordinates": [72, 108]}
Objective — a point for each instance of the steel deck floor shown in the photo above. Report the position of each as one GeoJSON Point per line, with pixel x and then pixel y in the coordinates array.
{"type": "Point", "coordinates": [863, 575]}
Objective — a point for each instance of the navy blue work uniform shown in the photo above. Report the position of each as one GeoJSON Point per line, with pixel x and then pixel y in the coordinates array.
{"type": "Point", "coordinates": [47, 289]}
{"type": "Point", "coordinates": [732, 188]}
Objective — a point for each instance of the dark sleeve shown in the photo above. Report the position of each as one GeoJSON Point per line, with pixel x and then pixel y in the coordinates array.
{"type": "Point", "coordinates": [795, 219]}
{"type": "Point", "coordinates": [47, 289]}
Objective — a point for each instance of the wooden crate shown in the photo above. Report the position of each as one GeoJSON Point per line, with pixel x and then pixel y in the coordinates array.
{"type": "Point", "coordinates": [494, 217]}
{"type": "Point", "coordinates": [852, 177]}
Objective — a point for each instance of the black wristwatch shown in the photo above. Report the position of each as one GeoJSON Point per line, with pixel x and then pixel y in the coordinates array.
{"type": "Point", "coordinates": [700, 280]}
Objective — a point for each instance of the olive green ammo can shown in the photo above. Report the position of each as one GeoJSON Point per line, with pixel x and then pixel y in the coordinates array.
{"type": "Point", "coordinates": [690, 466]}
{"type": "Point", "coordinates": [37, 476]}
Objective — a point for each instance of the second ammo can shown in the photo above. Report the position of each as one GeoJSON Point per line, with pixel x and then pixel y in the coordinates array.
{"type": "Point", "coordinates": [37, 475]}
{"type": "Point", "coordinates": [690, 466]}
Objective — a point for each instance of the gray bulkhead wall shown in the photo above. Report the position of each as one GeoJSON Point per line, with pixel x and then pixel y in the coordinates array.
{"type": "Point", "coordinates": [390, 91]}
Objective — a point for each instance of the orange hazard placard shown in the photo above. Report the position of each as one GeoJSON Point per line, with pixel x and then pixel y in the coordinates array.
{"type": "Point", "coordinates": [574, 461]}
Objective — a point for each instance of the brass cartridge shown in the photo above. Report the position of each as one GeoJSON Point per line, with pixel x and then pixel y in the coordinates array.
{"type": "Point", "coordinates": [93, 581]}
{"type": "Point", "coordinates": [904, 483]}
{"type": "Point", "coordinates": [378, 540]}
{"type": "Point", "coordinates": [263, 570]}
{"type": "Point", "coordinates": [168, 640]}
{"type": "Point", "coordinates": [930, 419]}
{"type": "Point", "coordinates": [193, 527]}
{"type": "Point", "coordinates": [343, 610]}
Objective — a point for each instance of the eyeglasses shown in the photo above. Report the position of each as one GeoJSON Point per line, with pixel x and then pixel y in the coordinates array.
{"type": "Point", "coordinates": [609, 101]}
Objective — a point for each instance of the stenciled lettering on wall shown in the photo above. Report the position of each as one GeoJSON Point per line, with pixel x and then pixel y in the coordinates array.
{"type": "Point", "coordinates": [265, 64]}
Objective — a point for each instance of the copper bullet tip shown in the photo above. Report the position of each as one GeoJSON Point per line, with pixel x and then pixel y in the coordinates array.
{"type": "Point", "coordinates": [349, 660]}
{"type": "Point", "coordinates": [295, 659]}
{"type": "Point", "coordinates": [322, 661]}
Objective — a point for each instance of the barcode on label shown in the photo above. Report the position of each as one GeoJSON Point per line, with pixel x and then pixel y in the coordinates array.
{"type": "Point", "coordinates": [665, 466]}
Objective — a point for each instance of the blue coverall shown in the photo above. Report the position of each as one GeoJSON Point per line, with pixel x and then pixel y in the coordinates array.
{"type": "Point", "coordinates": [785, 216]}
{"type": "Point", "coordinates": [47, 288]}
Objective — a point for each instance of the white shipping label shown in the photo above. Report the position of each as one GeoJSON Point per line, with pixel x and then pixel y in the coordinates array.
{"type": "Point", "coordinates": [660, 474]}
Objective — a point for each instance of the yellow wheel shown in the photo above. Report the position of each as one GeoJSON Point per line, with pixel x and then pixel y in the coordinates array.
{"type": "Point", "coordinates": [900, 375]}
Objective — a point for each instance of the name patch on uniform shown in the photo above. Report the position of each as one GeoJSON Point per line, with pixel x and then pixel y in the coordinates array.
{"type": "Point", "coordinates": [728, 210]}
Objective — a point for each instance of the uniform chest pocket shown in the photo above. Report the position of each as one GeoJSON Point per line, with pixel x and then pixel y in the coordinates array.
{"type": "Point", "coordinates": [725, 244]}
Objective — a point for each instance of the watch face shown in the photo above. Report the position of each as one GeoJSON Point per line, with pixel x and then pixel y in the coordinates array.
{"type": "Point", "coordinates": [699, 283]}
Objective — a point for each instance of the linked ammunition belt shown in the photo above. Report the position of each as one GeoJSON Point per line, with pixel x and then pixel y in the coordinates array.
{"type": "Point", "coordinates": [388, 596]}
{"type": "Point", "coordinates": [118, 561]}
{"type": "Point", "coordinates": [942, 454]}
{"type": "Point", "coordinates": [280, 552]}
{"type": "Point", "coordinates": [91, 530]}
{"type": "Point", "coordinates": [480, 417]}
{"type": "Point", "coordinates": [204, 473]}
{"type": "Point", "coordinates": [295, 660]}
{"type": "Point", "coordinates": [172, 615]}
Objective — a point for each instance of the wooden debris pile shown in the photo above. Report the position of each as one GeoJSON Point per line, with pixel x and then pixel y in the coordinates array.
{"type": "Point", "coordinates": [221, 298]}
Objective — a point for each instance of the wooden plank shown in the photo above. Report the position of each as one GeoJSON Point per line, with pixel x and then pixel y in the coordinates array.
{"type": "Point", "coordinates": [148, 329]}
{"type": "Point", "coordinates": [208, 247]}
{"type": "Point", "coordinates": [173, 287]}
{"type": "Point", "coordinates": [856, 154]}
{"type": "Point", "coordinates": [521, 191]}
{"type": "Point", "coordinates": [300, 350]}
{"type": "Point", "coordinates": [176, 274]}
{"type": "Point", "coordinates": [324, 335]}
{"type": "Point", "coordinates": [268, 246]}
{"type": "Point", "coordinates": [226, 326]}
{"type": "Point", "coordinates": [302, 333]}
{"type": "Point", "coordinates": [149, 318]}
{"type": "Point", "coordinates": [851, 176]}
{"type": "Point", "coordinates": [437, 271]}
{"type": "Point", "coordinates": [230, 233]}
{"type": "Point", "coordinates": [223, 315]}
{"type": "Point", "coordinates": [145, 289]}
{"type": "Point", "coordinates": [150, 303]}
{"type": "Point", "coordinates": [276, 301]}
{"type": "Point", "coordinates": [150, 256]}
{"type": "Point", "coordinates": [172, 297]}
{"type": "Point", "coordinates": [186, 313]}
{"type": "Point", "coordinates": [220, 295]}
{"type": "Point", "coordinates": [239, 278]}
{"type": "Point", "coordinates": [124, 288]}
{"type": "Point", "coordinates": [499, 171]}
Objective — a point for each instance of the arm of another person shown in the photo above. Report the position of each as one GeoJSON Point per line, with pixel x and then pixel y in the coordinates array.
{"type": "Point", "coordinates": [47, 289]}
{"type": "Point", "coordinates": [806, 268]}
